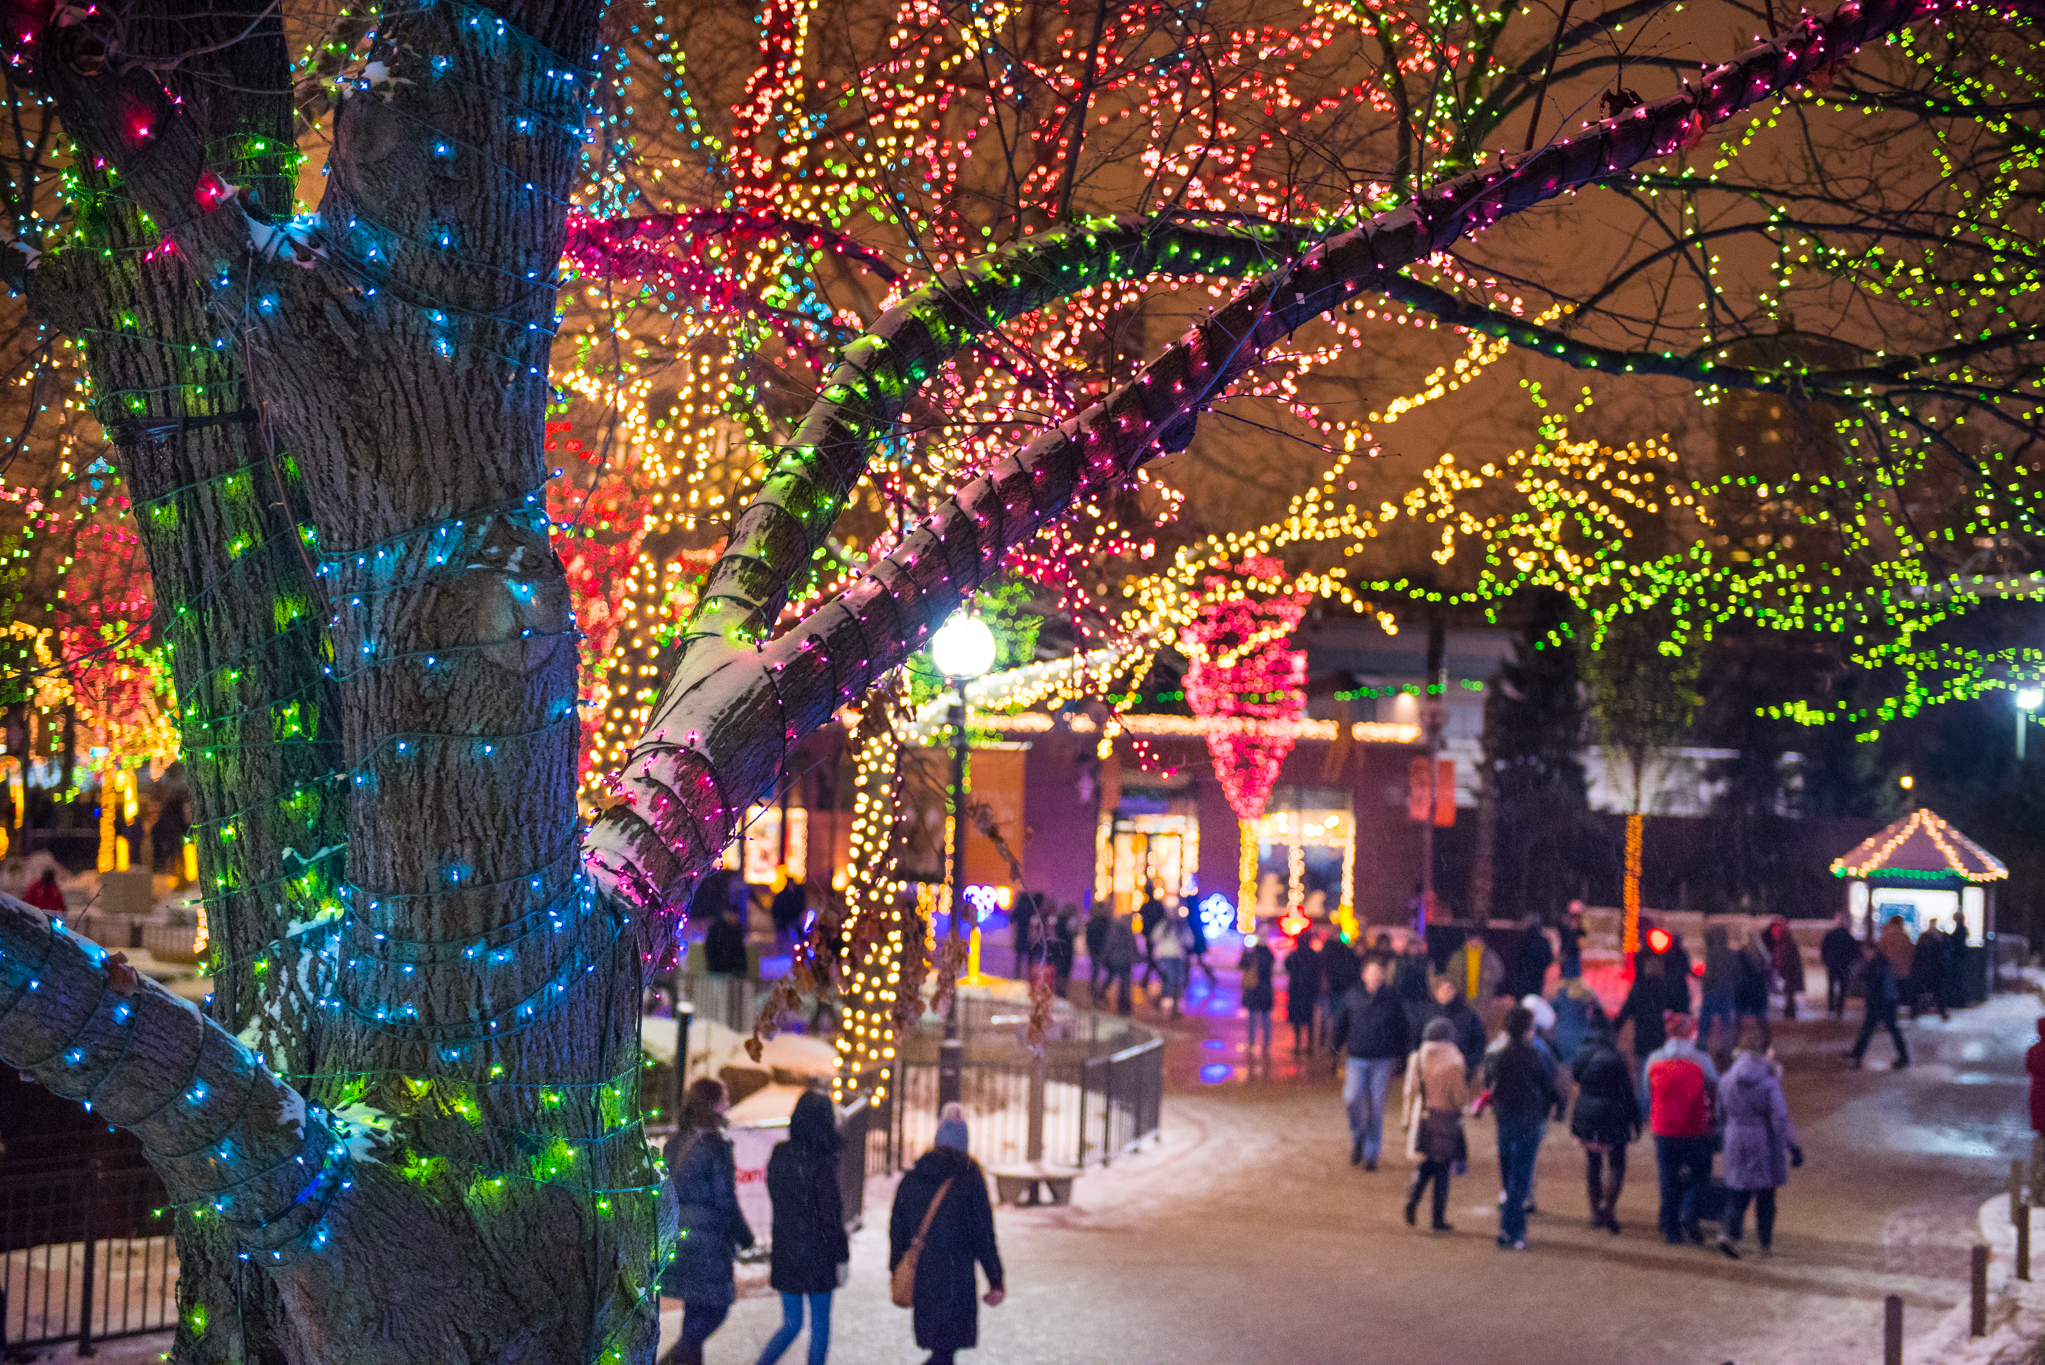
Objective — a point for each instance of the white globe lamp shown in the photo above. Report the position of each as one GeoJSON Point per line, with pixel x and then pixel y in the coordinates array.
{"type": "Point", "coordinates": [963, 647]}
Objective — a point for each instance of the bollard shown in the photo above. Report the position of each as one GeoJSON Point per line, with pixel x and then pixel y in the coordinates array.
{"type": "Point", "coordinates": [1978, 1321]}
{"type": "Point", "coordinates": [1892, 1330]}
{"type": "Point", "coordinates": [2023, 1267]}
{"type": "Point", "coordinates": [2016, 1187]}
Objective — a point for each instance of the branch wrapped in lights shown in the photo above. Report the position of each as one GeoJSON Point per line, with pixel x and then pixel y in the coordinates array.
{"type": "Point", "coordinates": [730, 712]}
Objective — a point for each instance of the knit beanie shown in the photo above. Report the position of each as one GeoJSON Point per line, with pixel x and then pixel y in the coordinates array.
{"type": "Point", "coordinates": [951, 1127]}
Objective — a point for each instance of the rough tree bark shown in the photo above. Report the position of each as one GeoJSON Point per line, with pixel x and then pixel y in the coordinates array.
{"type": "Point", "coordinates": [436, 1158]}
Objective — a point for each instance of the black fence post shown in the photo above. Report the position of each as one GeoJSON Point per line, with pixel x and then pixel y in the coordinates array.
{"type": "Point", "coordinates": [1978, 1320]}
{"type": "Point", "coordinates": [85, 1346]}
{"type": "Point", "coordinates": [1892, 1330]}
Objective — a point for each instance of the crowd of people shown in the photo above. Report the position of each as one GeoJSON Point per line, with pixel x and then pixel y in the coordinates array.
{"type": "Point", "coordinates": [940, 1230]}
{"type": "Point", "coordinates": [1722, 1135]}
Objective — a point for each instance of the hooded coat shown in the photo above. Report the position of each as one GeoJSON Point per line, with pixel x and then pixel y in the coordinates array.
{"type": "Point", "coordinates": [809, 1207]}
{"type": "Point", "coordinates": [1302, 985]}
{"type": "Point", "coordinates": [1758, 1129]}
{"type": "Point", "coordinates": [1607, 1109]}
{"type": "Point", "coordinates": [947, 1313]}
{"type": "Point", "coordinates": [705, 1176]}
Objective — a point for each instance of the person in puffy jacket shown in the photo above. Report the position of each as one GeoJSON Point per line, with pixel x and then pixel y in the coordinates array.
{"type": "Point", "coordinates": [1302, 992]}
{"type": "Point", "coordinates": [810, 1249]}
{"type": "Point", "coordinates": [705, 1178]}
{"type": "Point", "coordinates": [1369, 1026]}
{"type": "Point", "coordinates": [1576, 1010]}
{"type": "Point", "coordinates": [1682, 1085]}
{"type": "Point", "coordinates": [1605, 1119]}
{"type": "Point", "coordinates": [1761, 1144]}
{"type": "Point", "coordinates": [1437, 1088]}
{"type": "Point", "coordinates": [1523, 1095]}
{"type": "Point", "coordinates": [961, 1232]}
{"type": "Point", "coordinates": [1723, 970]}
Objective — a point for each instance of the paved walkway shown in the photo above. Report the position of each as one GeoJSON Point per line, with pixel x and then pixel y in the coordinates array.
{"type": "Point", "coordinates": [1244, 1235]}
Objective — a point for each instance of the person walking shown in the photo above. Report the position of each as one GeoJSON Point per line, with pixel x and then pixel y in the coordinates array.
{"type": "Point", "coordinates": [724, 944]}
{"type": "Point", "coordinates": [1646, 1007]}
{"type": "Point", "coordinates": [1302, 990]}
{"type": "Point", "coordinates": [1196, 943]}
{"type": "Point", "coordinates": [1477, 972]}
{"type": "Point", "coordinates": [1064, 930]}
{"type": "Point", "coordinates": [942, 1210]}
{"type": "Point", "coordinates": [2034, 1066]}
{"type": "Point", "coordinates": [1723, 969]}
{"type": "Point", "coordinates": [45, 895]}
{"type": "Point", "coordinates": [1119, 953]}
{"type": "Point", "coordinates": [1370, 1027]}
{"type": "Point", "coordinates": [1787, 958]}
{"type": "Point", "coordinates": [1838, 950]}
{"type": "Point", "coordinates": [1523, 1095]}
{"type": "Point", "coordinates": [1682, 1085]}
{"type": "Point", "coordinates": [1896, 946]}
{"type": "Point", "coordinates": [1750, 996]}
{"type": "Point", "coordinates": [1437, 1085]}
{"type": "Point", "coordinates": [705, 1179]}
{"type": "Point", "coordinates": [1882, 995]}
{"type": "Point", "coordinates": [1571, 937]}
{"type": "Point", "coordinates": [1469, 1029]}
{"type": "Point", "coordinates": [1168, 954]}
{"type": "Point", "coordinates": [1412, 978]}
{"type": "Point", "coordinates": [1096, 950]}
{"type": "Point", "coordinates": [789, 910]}
{"type": "Point", "coordinates": [810, 1252]}
{"type": "Point", "coordinates": [1257, 965]}
{"type": "Point", "coordinates": [1150, 917]}
{"type": "Point", "coordinates": [1576, 1009]}
{"type": "Point", "coordinates": [1604, 1120]}
{"type": "Point", "coordinates": [1761, 1144]}
{"type": "Point", "coordinates": [1530, 963]}
{"type": "Point", "coordinates": [1927, 974]}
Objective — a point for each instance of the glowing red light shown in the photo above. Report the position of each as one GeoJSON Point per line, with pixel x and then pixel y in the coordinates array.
{"type": "Point", "coordinates": [1658, 940]}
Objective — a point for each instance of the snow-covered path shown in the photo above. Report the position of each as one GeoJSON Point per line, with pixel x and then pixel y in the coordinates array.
{"type": "Point", "coordinates": [1244, 1236]}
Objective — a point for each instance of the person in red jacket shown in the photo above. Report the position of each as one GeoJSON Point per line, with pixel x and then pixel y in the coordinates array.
{"type": "Point", "coordinates": [46, 895]}
{"type": "Point", "coordinates": [2034, 1062]}
{"type": "Point", "coordinates": [1681, 1082]}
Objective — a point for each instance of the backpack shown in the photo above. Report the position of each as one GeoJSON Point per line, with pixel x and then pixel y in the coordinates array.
{"type": "Point", "coordinates": [1680, 1104]}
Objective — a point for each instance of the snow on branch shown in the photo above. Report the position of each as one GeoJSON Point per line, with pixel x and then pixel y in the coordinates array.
{"type": "Point", "coordinates": [734, 708]}
{"type": "Point", "coordinates": [228, 1137]}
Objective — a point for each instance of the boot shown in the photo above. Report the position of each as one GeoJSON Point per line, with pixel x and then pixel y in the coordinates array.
{"type": "Point", "coordinates": [1441, 1205]}
{"type": "Point", "coordinates": [1413, 1202]}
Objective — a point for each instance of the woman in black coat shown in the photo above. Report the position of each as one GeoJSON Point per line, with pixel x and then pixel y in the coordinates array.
{"type": "Point", "coordinates": [810, 1249]}
{"type": "Point", "coordinates": [1302, 992]}
{"type": "Point", "coordinates": [1605, 1119]}
{"type": "Point", "coordinates": [962, 1232]}
{"type": "Point", "coordinates": [705, 1177]}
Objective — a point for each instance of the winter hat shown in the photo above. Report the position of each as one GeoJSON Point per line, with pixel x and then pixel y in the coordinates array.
{"type": "Point", "coordinates": [1442, 1031]}
{"type": "Point", "coordinates": [1678, 1024]}
{"type": "Point", "coordinates": [1543, 1012]}
{"type": "Point", "coordinates": [951, 1127]}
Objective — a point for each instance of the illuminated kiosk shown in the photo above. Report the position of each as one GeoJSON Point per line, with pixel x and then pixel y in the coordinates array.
{"type": "Point", "coordinates": [1918, 870]}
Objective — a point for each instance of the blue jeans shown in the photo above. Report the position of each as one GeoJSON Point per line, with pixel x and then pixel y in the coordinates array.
{"type": "Point", "coordinates": [1259, 1019]}
{"type": "Point", "coordinates": [791, 1323]}
{"type": "Point", "coordinates": [1717, 1007]}
{"type": "Point", "coordinates": [1518, 1144]}
{"type": "Point", "coordinates": [1364, 1083]}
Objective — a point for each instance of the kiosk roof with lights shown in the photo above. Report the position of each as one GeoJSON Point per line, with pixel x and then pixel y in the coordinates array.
{"type": "Point", "coordinates": [1918, 870]}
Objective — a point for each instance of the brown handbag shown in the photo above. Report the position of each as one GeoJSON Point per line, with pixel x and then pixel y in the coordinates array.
{"type": "Point", "coordinates": [902, 1281]}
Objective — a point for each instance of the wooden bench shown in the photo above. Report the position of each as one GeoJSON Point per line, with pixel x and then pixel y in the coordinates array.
{"type": "Point", "coordinates": [1034, 1184]}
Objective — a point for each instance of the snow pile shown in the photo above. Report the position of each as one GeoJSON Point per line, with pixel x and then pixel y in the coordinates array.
{"type": "Point", "coordinates": [2016, 1308]}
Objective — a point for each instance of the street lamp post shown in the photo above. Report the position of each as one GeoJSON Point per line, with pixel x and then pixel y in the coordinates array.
{"type": "Point", "coordinates": [962, 649]}
{"type": "Point", "coordinates": [2028, 700]}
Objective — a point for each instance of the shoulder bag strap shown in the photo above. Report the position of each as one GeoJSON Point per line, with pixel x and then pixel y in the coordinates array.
{"type": "Point", "coordinates": [931, 1213]}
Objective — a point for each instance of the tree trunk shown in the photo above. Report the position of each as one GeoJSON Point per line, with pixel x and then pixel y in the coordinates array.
{"type": "Point", "coordinates": [463, 1178]}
